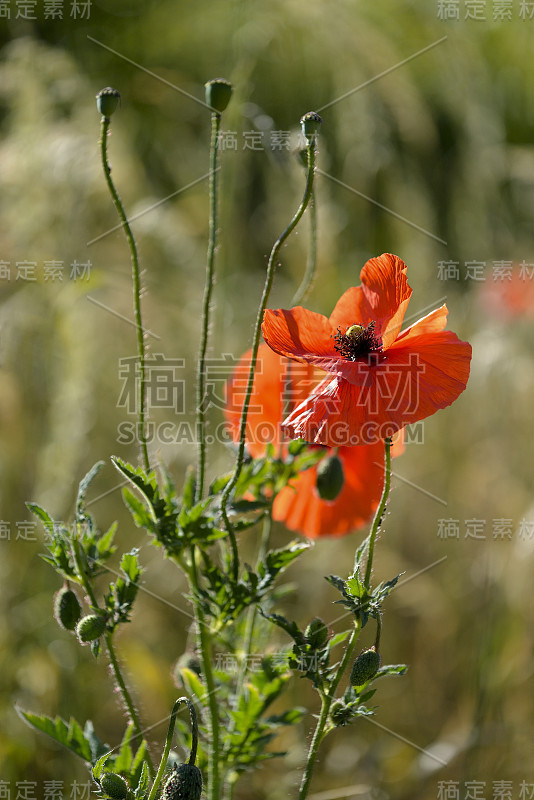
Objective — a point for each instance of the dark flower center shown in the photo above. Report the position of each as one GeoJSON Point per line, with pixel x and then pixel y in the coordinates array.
{"type": "Point", "coordinates": [358, 341]}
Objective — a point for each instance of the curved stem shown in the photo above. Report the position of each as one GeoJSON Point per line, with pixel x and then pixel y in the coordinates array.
{"type": "Point", "coordinates": [205, 654]}
{"type": "Point", "coordinates": [271, 266]}
{"type": "Point", "coordinates": [136, 289]}
{"type": "Point", "coordinates": [168, 742]}
{"type": "Point", "coordinates": [311, 264]}
{"type": "Point", "coordinates": [210, 267]}
{"type": "Point", "coordinates": [108, 637]}
{"type": "Point", "coordinates": [379, 513]}
{"type": "Point", "coordinates": [327, 700]}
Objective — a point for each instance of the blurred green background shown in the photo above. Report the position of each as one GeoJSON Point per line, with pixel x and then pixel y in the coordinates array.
{"type": "Point", "coordinates": [443, 140]}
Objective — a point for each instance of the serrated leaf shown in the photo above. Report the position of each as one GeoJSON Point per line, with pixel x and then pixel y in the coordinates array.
{"type": "Point", "coordinates": [124, 758]}
{"type": "Point", "coordinates": [391, 669]}
{"type": "Point", "coordinates": [142, 785]}
{"type": "Point", "coordinates": [188, 493]}
{"type": "Point", "coordinates": [98, 748]}
{"type": "Point", "coordinates": [43, 515]}
{"type": "Point", "coordinates": [98, 768]}
{"type": "Point", "coordinates": [84, 485]}
{"type": "Point", "coordinates": [70, 735]}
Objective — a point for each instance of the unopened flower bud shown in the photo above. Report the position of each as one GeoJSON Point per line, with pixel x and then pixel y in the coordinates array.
{"type": "Point", "coordinates": [316, 633]}
{"type": "Point", "coordinates": [90, 627]}
{"type": "Point", "coordinates": [114, 786]}
{"type": "Point", "coordinates": [365, 667]}
{"type": "Point", "coordinates": [218, 94]}
{"type": "Point", "coordinates": [339, 713]}
{"type": "Point", "coordinates": [107, 101]}
{"type": "Point", "coordinates": [67, 609]}
{"type": "Point", "coordinates": [330, 479]}
{"type": "Point", "coordinates": [311, 124]}
{"type": "Point", "coordinates": [184, 783]}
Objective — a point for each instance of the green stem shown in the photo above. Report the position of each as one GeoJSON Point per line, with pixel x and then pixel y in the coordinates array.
{"type": "Point", "coordinates": [327, 700]}
{"type": "Point", "coordinates": [204, 639]}
{"type": "Point", "coordinates": [210, 268]}
{"type": "Point", "coordinates": [271, 266]}
{"type": "Point", "coordinates": [168, 742]}
{"type": "Point", "coordinates": [379, 516]}
{"type": "Point", "coordinates": [311, 264]}
{"type": "Point", "coordinates": [136, 288]}
{"type": "Point", "coordinates": [108, 637]}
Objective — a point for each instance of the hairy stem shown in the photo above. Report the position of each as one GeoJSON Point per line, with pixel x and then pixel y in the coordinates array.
{"type": "Point", "coordinates": [379, 516]}
{"type": "Point", "coordinates": [168, 742]}
{"type": "Point", "coordinates": [271, 266]}
{"type": "Point", "coordinates": [327, 700]}
{"type": "Point", "coordinates": [210, 268]}
{"type": "Point", "coordinates": [141, 353]}
{"type": "Point", "coordinates": [204, 640]}
{"type": "Point", "coordinates": [311, 264]}
{"type": "Point", "coordinates": [115, 666]}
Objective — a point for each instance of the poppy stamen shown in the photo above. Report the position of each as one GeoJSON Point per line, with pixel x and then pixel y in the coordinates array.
{"type": "Point", "coordinates": [357, 341]}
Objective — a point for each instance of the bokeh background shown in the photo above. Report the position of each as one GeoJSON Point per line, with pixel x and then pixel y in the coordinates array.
{"type": "Point", "coordinates": [436, 157]}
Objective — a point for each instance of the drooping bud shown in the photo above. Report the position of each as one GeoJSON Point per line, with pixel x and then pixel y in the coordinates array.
{"type": "Point", "coordinates": [90, 627]}
{"type": "Point", "coordinates": [184, 783]}
{"type": "Point", "coordinates": [67, 609]}
{"type": "Point", "coordinates": [114, 786]}
{"type": "Point", "coordinates": [365, 667]}
{"type": "Point", "coordinates": [218, 94]}
{"type": "Point", "coordinates": [311, 124]}
{"type": "Point", "coordinates": [316, 633]}
{"type": "Point", "coordinates": [330, 478]}
{"type": "Point", "coordinates": [107, 101]}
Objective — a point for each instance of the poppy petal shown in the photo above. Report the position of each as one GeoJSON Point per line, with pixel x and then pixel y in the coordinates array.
{"type": "Point", "coordinates": [383, 298]}
{"type": "Point", "coordinates": [301, 509]}
{"type": "Point", "coordinates": [301, 335]}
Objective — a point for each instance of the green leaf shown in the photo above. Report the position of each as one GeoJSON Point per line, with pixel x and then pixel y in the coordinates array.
{"type": "Point", "coordinates": [84, 485]}
{"type": "Point", "coordinates": [338, 638]}
{"type": "Point", "coordinates": [70, 735]}
{"type": "Point", "coordinates": [124, 757]}
{"type": "Point", "coordinates": [142, 784]}
{"type": "Point", "coordinates": [391, 669]}
{"type": "Point", "coordinates": [193, 683]}
{"type": "Point", "coordinates": [189, 490]}
{"type": "Point", "coordinates": [98, 748]}
{"type": "Point", "coordinates": [98, 768]}
{"type": "Point", "coordinates": [43, 515]}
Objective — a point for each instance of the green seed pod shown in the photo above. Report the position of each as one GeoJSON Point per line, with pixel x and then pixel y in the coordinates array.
{"type": "Point", "coordinates": [107, 101]}
{"type": "Point", "coordinates": [316, 633]}
{"type": "Point", "coordinates": [67, 609]}
{"type": "Point", "coordinates": [339, 713]}
{"type": "Point", "coordinates": [330, 478]}
{"type": "Point", "coordinates": [90, 627]}
{"type": "Point", "coordinates": [311, 124]}
{"type": "Point", "coordinates": [114, 786]}
{"type": "Point", "coordinates": [365, 667]}
{"type": "Point", "coordinates": [184, 783]}
{"type": "Point", "coordinates": [218, 94]}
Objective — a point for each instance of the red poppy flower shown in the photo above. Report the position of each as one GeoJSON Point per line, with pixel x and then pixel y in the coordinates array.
{"type": "Point", "coordinates": [280, 383]}
{"type": "Point", "coordinates": [379, 378]}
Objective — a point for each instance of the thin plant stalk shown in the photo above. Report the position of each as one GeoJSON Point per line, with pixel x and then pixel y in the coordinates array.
{"type": "Point", "coordinates": [206, 306]}
{"type": "Point", "coordinates": [326, 703]}
{"type": "Point", "coordinates": [204, 639]}
{"type": "Point", "coordinates": [141, 351]}
{"type": "Point", "coordinates": [115, 666]}
{"type": "Point", "coordinates": [168, 742]}
{"type": "Point", "coordinates": [271, 266]}
{"type": "Point", "coordinates": [379, 516]}
{"type": "Point", "coordinates": [311, 263]}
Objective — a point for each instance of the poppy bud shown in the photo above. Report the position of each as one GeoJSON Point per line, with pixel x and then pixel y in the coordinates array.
{"type": "Point", "coordinates": [218, 94]}
{"type": "Point", "coordinates": [339, 713]}
{"type": "Point", "coordinates": [184, 783]}
{"type": "Point", "coordinates": [107, 101]}
{"type": "Point", "coordinates": [114, 786]}
{"type": "Point", "coordinates": [365, 667]}
{"type": "Point", "coordinates": [90, 627]}
{"type": "Point", "coordinates": [316, 633]}
{"type": "Point", "coordinates": [67, 609]}
{"type": "Point", "coordinates": [330, 478]}
{"type": "Point", "coordinates": [311, 123]}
